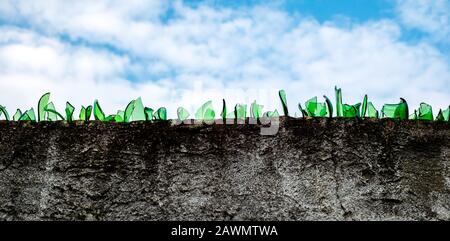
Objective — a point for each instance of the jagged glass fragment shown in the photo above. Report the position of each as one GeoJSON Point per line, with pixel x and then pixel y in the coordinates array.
{"type": "Point", "coordinates": [98, 112]}
{"type": "Point", "coordinates": [4, 112]}
{"type": "Point", "coordinates": [425, 112]}
{"type": "Point", "coordinates": [120, 116]}
{"type": "Point", "coordinates": [52, 114]}
{"type": "Point", "coordinates": [110, 118]}
{"type": "Point", "coordinates": [282, 95]}
{"type": "Point", "coordinates": [148, 113]}
{"type": "Point", "coordinates": [272, 114]}
{"type": "Point", "coordinates": [17, 115]}
{"type": "Point", "coordinates": [329, 106]}
{"type": "Point", "coordinates": [43, 102]}
{"type": "Point", "coordinates": [129, 111]}
{"type": "Point", "coordinates": [339, 105]}
{"type": "Point", "coordinates": [315, 109]}
{"type": "Point", "coordinates": [364, 107]}
{"type": "Point", "coordinates": [161, 114]}
{"type": "Point", "coordinates": [205, 112]}
{"type": "Point", "coordinates": [240, 111]}
{"type": "Point", "coordinates": [256, 110]}
{"type": "Point", "coordinates": [224, 110]}
{"type": "Point", "coordinates": [446, 114]}
{"type": "Point", "coordinates": [371, 111]}
{"type": "Point", "coordinates": [69, 111]}
{"type": "Point", "coordinates": [304, 112]}
{"type": "Point", "coordinates": [396, 111]}
{"type": "Point", "coordinates": [138, 111]}
{"type": "Point", "coordinates": [28, 115]}
{"type": "Point", "coordinates": [351, 110]}
{"type": "Point", "coordinates": [182, 114]}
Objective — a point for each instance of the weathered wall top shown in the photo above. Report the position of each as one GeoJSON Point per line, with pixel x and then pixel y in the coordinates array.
{"type": "Point", "coordinates": [312, 169]}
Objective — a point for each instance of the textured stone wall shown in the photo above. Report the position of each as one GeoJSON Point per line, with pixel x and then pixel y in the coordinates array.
{"type": "Point", "coordinates": [315, 169]}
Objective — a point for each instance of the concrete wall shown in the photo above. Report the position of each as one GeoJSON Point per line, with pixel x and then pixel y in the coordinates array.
{"type": "Point", "coordinates": [316, 169]}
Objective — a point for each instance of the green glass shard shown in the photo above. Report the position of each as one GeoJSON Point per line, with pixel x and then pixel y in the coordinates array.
{"type": "Point", "coordinates": [240, 111]}
{"type": "Point", "coordinates": [315, 109]}
{"type": "Point", "coordinates": [311, 106]}
{"type": "Point", "coordinates": [120, 116]}
{"type": "Point", "coordinates": [52, 113]}
{"type": "Point", "coordinates": [129, 111]}
{"type": "Point", "coordinates": [396, 111]}
{"type": "Point", "coordinates": [345, 110]}
{"type": "Point", "coordinates": [83, 113]}
{"type": "Point", "coordinates": [275, 113]}
{"type": "Point", "coordinates": [443, 115]}
{"type": "Point", "coordinates": [256, 110]}
{"type": "Point", "coordinates": [98, 112]}
{"type": "Point", "coordinates": [4, 112]}
{"type": "Point", "coordinates": [321, 110]}
{"type": "Point", "coordinates": [31, 114]}
{"type": "Point", "coordinates": [371, 111]}
{"type": "Point", "coordinates": [403, 109]}
{"type": "Point", "coordinates": [209, 114]}
{"type": "Point", "coordinates": [329, 106]}
{"type": "Point", "coordinates": [110, 118]}
{"type": "Point", "coordinates": [223, 114]}
{"type": "Point", "coordinates": [161, 114]}
{"type": "Point", "coordinates": [201, 111]}
{"type": "Point", "coordinates": [182, 114]}
{"type": "Point", "coordinates": [205, 112]}
{"type": "Point", "coordinates": [364, 107]}
{"type": "Point", "coordinates": [389, 110]}
{"type": "Point", "coordinates": [425, 112]}
{"type": "Point", "coordinates": [282, 95]}
{"type": "Point", "coordinates": [69, 111]}
{"type": "Point", "coordinates": [138, 111]}
{"type": "Point", "coordinates": [25, 117]}
{"type": "Point", "coordinates": [339, 105]}
{"type": "Point", "coordinates": [440, 116]}
{"type": "Point", "coordinates": [43, 102]}
{"type": "Point", "coordinates": [231, 115]}
{"type": "Point", "coordinates": [357, 108]}
{"type": "Point", "coordinates": [446, 114]}
{"type": "Point", "coordinates": [88, 112]}
{"type": "Point", "coordinates": [17, 115]}
{"type": "Point", "coordinates": [414, 116]}
{"type": "Point", "coordinates": [28, 115]}
{"type": "Point", "coordinates": [272, 114]}
{"type": "Point", "coordinates": [148, 113]}
{"type": "Point", "coordinates": [304, 112]}
{"type": "Point", "coordinates": [350, 111]}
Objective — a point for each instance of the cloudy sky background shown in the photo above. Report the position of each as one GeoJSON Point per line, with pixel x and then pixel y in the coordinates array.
{"type": "Point", "coordinates": [183, 53]}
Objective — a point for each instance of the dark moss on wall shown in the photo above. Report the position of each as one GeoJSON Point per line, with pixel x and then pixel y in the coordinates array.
{"type": "Point", "coordinates": [315, 169]}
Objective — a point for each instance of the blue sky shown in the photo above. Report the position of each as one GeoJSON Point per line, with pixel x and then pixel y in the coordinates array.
{"type": "Point", "coordinates": [324, 10]}
{"type": "Point", "coordinates": [182, 53]}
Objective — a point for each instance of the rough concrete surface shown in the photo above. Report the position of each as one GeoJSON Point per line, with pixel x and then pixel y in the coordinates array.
{"type": "Point", "coordinates": [313, 169]}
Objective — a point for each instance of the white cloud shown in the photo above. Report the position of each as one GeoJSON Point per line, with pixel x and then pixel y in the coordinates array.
{"type": "Point", "coordinates": [430, 16]}
{"type": "Point", "coordinates": [205, 53]}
